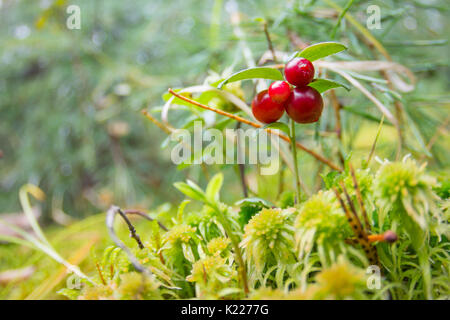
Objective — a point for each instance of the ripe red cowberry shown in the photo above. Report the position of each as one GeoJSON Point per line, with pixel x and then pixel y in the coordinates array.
{"type": "Point", "coordinates": [304, 105]}
{"type": "Point", "coordinates": [265, 109]}
{"type": "Point", "coordinates": [299, 72]}
{"type": "Point", "coordinates": [279, 91]}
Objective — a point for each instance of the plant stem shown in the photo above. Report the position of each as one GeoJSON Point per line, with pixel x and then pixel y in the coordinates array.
{"type": "Point", "coordinates": [241, 165]}
{"type": "Point", "coordinates": [426, 273]}
{"type": "Point", "coordinates": [294, 155]}
{"type": "Point", "coordinates": [281, 181]}
{"type": "Point", "coordinates": [235, 242]}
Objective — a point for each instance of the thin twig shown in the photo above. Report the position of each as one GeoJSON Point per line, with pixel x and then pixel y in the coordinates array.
{"type": "Point", "coordinates": [111, 214]}
{"type": "Point", "coordinates": [372, 150]}
{"type": "Point", "coordinates": [257, 125]}
{"type": "Point", "coordinates": [360, 199]}
{"type": "Point", "coordinates": [356, 228]}
{"type": "Point", "coordinates": [437, 134]}
{"type": "Point", "coordinates": [269, 42]}
{"type": "Point", "coordinates": [355, 224]}
{"type": "Point", "coordinates": [294, 156]}
{"type": "Point", "coordinates": [353, 209]}
{"type": "Point", "coordinates": [145, 216]}
{"type": "Point", "coordinates": [100, 273]}
{"type": "Point", "coordinates": [133, 233]}
{"type": "Point", "coordinates": [156, 122]}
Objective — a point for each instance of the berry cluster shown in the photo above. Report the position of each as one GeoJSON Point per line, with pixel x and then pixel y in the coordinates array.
{"type": "Point", "coordinates": [302, 103]}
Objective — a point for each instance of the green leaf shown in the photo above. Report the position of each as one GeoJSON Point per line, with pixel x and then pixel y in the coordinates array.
{"type": "Point", "coordinates": [321, 50]}
{"type": "Point", "coordinates": [213, 188]}
{"type": "Point", "coordinates": [191, 192]}
{"type": "Point", "coordinates": [249, 207]}
{"type": "Point", "coordinates": [253, 201]}
{"type": "Point", "coordinates": [277, 125]}
{"type": "Point", "coordinates": [323, 85]}
{"type": "Point", "coordinates": [193, 185]}
{"type": "Point", "coordinates": [187, 252]}
{"type": "Point", "coordinates": [331, 179]}
{"type": "Point", "coordinates": [253, 73]}
{"type": "Point", "coordinates": [72, 294]}
{"type": "Point", "coordinates": [417, 134]}
{"type": "Point", "coordinates": [180, 211]}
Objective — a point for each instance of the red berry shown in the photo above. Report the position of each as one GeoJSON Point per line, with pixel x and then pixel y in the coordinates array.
{"type": "Point", "coordinates": [305, 105]}
{"type": "Point", "coordinates": [265, 109]}
{"type": "Point", "coordinates": [299, 72]}
{"type": "Point", "coordinates": [279, 91]}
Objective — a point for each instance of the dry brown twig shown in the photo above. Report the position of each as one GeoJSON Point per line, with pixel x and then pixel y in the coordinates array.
{"type": "Point", "coordinates": [110, 216]}
{"type": "Point", "coordinates": [362, 232]}
{"type": "Point", "coordinates": [145, 216]}
{"type": "Point", "coordinates": [360, 199]}
{"type": "Point", "coordinates": [269, 41]}
{"type": "Point", "coordinates": [361, 236]}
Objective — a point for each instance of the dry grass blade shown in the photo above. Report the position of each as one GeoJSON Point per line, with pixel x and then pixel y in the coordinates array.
{"type": "Point", "coordinates": [47, 286]}
{"type": "Point", "coordinates": [392, 69]}
{"type": "Point", "coordinates": [16, 275]}
{"type": "Point", "coordinates": [368, 94]}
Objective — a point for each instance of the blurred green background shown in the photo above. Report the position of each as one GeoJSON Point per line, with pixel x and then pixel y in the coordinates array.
{"type": "Point", "coordinates": [70, 100]}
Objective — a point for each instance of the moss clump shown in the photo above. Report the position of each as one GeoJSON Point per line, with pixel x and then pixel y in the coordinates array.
{"type": "Point", "coordinates": [342, 280]}
{"type": "Point", "coordinates": [407, 189]}
{"type": "Point", "coordinates": [138, 286]}
{"type": "Point", "coordinates": [321, 221]}
{"type": "Point", "coordinates": [218, 245]}
{"type": "Point", "coordinates": [268, 237]}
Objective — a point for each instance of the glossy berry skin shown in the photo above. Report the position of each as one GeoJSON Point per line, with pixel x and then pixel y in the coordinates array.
{"type": "Point", "coordinates": [279, 91]}
{"type": "Point", "coordinates": [299, 72]}
{"type": "Point", "coordinates": [305, 105]}
{"type": "Point", "coordinates": [265, 109]}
